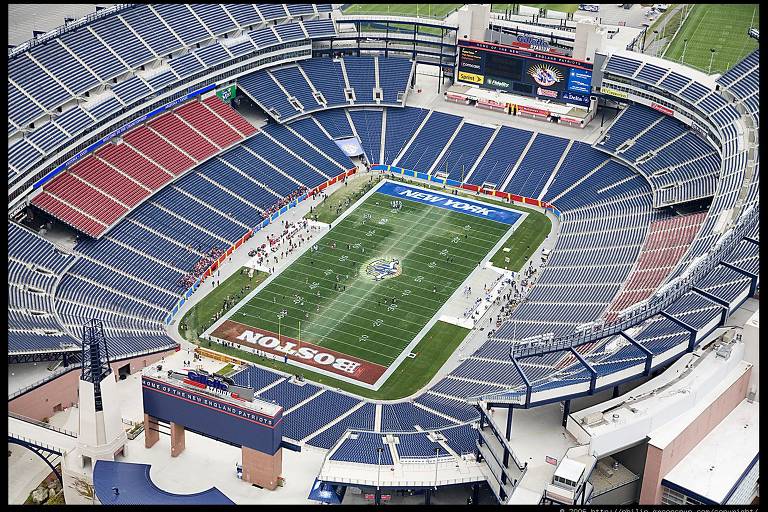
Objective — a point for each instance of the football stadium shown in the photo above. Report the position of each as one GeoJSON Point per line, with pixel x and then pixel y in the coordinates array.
{"type": "Point", "coordinates": [383, 254]}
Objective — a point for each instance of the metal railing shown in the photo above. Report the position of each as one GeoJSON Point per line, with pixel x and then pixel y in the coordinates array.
{"type": "Point", "coordinates": [42, 424]}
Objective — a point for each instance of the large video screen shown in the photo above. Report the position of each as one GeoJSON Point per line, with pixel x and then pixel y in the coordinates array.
{"type": "Point", "coordinates": [524, 71]}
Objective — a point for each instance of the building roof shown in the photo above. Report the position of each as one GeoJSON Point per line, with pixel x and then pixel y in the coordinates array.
{"type": "Point", "coordinates": [717, 464]}
{"type": "Point", "coordinates": [570, 470]}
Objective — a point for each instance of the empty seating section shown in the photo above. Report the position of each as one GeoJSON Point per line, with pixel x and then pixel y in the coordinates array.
{"type": "Point", "coordinates": [650, 73]}
{"type": "Point", "coordinates": [312, 133]}
{"type": "Point", "coordinates": [58, 61]}
{"type": "Point", "coordinates": [695, 310]}
{"type": "Point", "coordinates": [289, 394]}
{"type": "Point", "coordinates": [230, 115]}
{"type": "Point", "coordinates": [180, 134]}
{"type": "Point", "coordinates": [261, 87]}
{"type": "Point", "coordinates": [199, 213]}
{"type": "Point", "coordinates": [263, 37]}
{"type": "Point", "coordinates": [393, 77]}
{"type": "Point", "coordinates": [240, 48]}
{"type": "Point", "coordinates": [429, 142]}
{"type": "Point", "coordinates": [662, 132]}
{"type": "Point", "coordinates": [537, 165]}
{"type": "Point", "coordinates": [255, 377]}
{"type": "Point", "coordinates": [327, 77]}
{"type": "Point", "coordinates": [186, 65]}
{"type": "Point", "coordinates": [212, 54]}
{"type": "Point", "coordinates": [149, 27]}
{"type": "Point", "coordinates": [319, 28]}
{"type": "Point", "coordinates": [21, 109]}
{"type": "Point", "coordinates": [580, 161]}
{"type": "Point", "coordinates": [622, 65]}
{"type": "Point", "coordinates": [70, 215]}
{"type": "Point", "coordinates": [224, 200]}
{"type": "Point", "coordinates": [305, 150]}
{"type": "Point", "coordinates": [293, 82]}
{"type": "Point", "coordinates": [401, 124]}
{"type": "Point", "coordinates": [120, 39]}
{"type": "Point", "coordinates": [404, 416]}
{"type": "Point", "coordinates": [36, 82]}
{"type": "Point", "coordinates": [463, 151]}
{"type": "Point", "coordinates": [89, 200]}
{"type": "Point", "coordinates": [668, 240]}
{"type": "Point", "coordinates": [174, 254]}
{"type": "Point", "coordinates": [257, 170]}
{"type": "Point", "coordinates": [285, 161]}
{"type": "Point", "coordinates": [335, 122]}
{"type": "Point", "coordinates": [186, 26]}
{"type": "Point", "coordinates": [725, 283]}
{"type": "Point", "coordinates": [289, 32]}
{"type": "Point", "coordinates": [130, 90]}
{"type": "Point", "coordinates": [368, 127]}
{"type": "Point", "coordinates": [134, 165]}
{"type": "Point", "coordinates": [364, 448]}
{"type": "Point", "coordinates": [209, 125]}
{"type": "Point", "coordinates": [74, 120]}
{"type": "Point", "coordinates": [94, 53]}
{"type": "Point", "coordinates": [103, 177]}
{"type": "Point", "coordinates": [173, 227]}
{"type": "Point", "coordinates": [300, 9]}
{"type": "Point", "coordinates": [501, 156]}
{"type": "Point", "coordinates": [631, 121]}
{"type": "Point", "coordinates": [361, 419]}
{"type": "Point", "coordinates": [244, 14]}
{"type": "Point", "coordinates": [419, 446]}
{"type": "Point", "coordinates": [694, 91]}
{"type": "Point", "coordinates": [272, 11]}
{"type": "Point", "coordinates": [130, 172]}
{"type": "Point", "coordinates": [674, 82]}
{"type": "Point", "coordinates": [459, 410]}
{"type": "Point", "coordinates": [215, 18]}
{"type": "Point", "coordinates": [108, 106]}
{"type": "Point", "coordinates": [22, 155]}
{"type": "Point", "coordinates": [362, 77]}
{"type": "Point", "coordinates": [316, 413]}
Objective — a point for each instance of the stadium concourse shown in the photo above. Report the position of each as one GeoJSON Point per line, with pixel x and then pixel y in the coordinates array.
{"type": "Point", "coordinates": [559, 230]}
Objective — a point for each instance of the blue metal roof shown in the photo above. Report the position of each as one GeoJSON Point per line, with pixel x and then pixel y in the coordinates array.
{"type": "Point", "coordinates": [134, 487]}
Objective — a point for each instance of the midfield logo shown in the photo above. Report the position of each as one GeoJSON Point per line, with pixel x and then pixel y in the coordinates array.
{"type": "Point", "coordinates": [383, 268]}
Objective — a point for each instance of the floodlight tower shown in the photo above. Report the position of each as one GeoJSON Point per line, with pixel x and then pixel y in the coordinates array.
{"type": "Point", "coordinates": [101, 435]}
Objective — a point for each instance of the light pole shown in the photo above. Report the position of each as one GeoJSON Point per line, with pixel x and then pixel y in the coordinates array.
{"type": "Point", "coordinates": [711, 58]}
{"type": "Point", "coordinates": [685, 45]}
{"type": "Point", "coordinates": [656, 43]}
{"type": "Point", "coordinates": [437, 454]}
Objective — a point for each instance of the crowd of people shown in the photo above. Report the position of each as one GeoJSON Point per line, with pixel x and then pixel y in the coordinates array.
{"type": "Point", "coordinates": [284, 201]}
{"type": "Point", "coordinates": [188, 279]}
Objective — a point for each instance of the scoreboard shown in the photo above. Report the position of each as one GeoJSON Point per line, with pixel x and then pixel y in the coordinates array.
{"type": "Point", "coordinates": [524, 71]}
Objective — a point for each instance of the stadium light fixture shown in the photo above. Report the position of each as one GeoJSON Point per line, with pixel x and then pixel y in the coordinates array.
{"type": "Point", "coordinates": [711, 58]}
{"type": "Point", "coordinates": [685, 45]}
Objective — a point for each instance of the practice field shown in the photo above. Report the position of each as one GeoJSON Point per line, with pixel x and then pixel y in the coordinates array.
{"type": "Point", "coordinates": [719, 26]}
{"type": "Point", "coordinates": [372, 283]}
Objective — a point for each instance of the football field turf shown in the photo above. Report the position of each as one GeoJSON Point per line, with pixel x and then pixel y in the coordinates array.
{"type": "Point", "coordinates": [719, 26]}
{"type": "Point", "coordinates": [333, 291]}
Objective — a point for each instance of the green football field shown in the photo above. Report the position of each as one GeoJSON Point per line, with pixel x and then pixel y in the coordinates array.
{"type": "Point", "coordinates": [425, 10]}
{"type": "Point", "coordinates": [342, 308]}
{"type": "Point", "coordinates": [719, 26]}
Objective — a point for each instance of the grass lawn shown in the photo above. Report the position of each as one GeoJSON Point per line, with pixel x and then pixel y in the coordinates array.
{"type": "Point", "coordinates": [523, 243]}
{"type": "Point", "coordinates": [423, 10]}
{"type": "Point", "coordinates": [226, 369]}
{"type": "Point", "coordinates": [338, 202]}
{"type": "Point", "coordinates": [719, 26]}
{"type": "Point", "coordinates": [412, 374]}
{"type": "Point", "coordinates": [374, 320]}
{"type": "Point", "coordinates": [199, 317]}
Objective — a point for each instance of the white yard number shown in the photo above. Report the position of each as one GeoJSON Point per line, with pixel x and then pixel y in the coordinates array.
{"type": "Point", "coordinates": [366, 216]}
{"type": "Point", "coordinates": [444, 252]}
{"type": "Point", "coordinates": [313, 285]}
{"type": "Point", "coordinates": [406, 293]}
{"type": "Point", "coordinates": [378, 322]}
{"type": "Point", "coordinates": [392, 307]}
{"type": "Point", "coordinates": [467, 227]}
{"type": "Point", "coordinates": [432, 264]}
{"type": "Point", "coordinates": [327, 272]}
{"type": "Point", "coordinates": [364, 338]}
{"type": "Point", "coordinates": [455, 239]}
{"type": "Point", "coordinates": [282, 314]}
{"type": "Point", "coordinates": [297, 299]}
{"type": "Point", "coordinates": [371, 233]}
{"type": "Point", "coordinates": [419, 279]}
{"type": "Point", "coordinates": [383, 221]}
{"type": "Point", "coordinates": [356, 246]}
{"type": "Point", "coordinates": [344, 258]}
